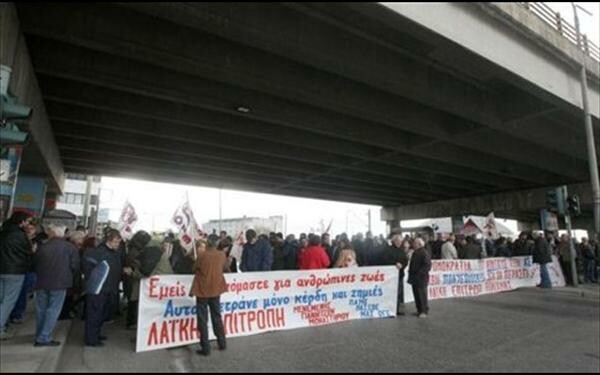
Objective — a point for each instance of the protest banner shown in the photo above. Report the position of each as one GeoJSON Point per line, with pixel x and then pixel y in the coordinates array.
{"type": "Point", "coordinates": [475, 277]}
{"type": "Point", "coordinates": [259, 302]}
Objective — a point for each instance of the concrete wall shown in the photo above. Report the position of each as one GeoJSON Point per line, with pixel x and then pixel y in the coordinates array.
{"type": "Point", "coordinates": [503, 204]}
{"type": "Point", "coordinates": [474, 29]}
{"type": "Point", "coordinates": [41, 156]}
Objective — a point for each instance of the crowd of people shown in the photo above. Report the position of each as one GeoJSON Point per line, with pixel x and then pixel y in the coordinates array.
{"type": "Point", "coordinates": [78, 274]}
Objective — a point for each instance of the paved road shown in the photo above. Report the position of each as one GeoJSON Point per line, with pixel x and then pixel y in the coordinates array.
{"type": "Point", "coordinates": [526, 330]}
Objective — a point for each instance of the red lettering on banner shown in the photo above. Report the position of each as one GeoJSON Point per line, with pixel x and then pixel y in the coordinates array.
{"type": "Point", "coordinates": [153, 335]}
{"type": "Point", "coordinates": [242, 321]}
{"type": "Point", "coordinates": [183, 333]}
{"type": "Point", "coordinates": [162, 292]}
{"type": "Point", "coordinates": [251, 318]}
{"type": "Point", "coordinates": [437, 292]}
{"type": "Point", "coordinates": [434, 279]}
{"type": "Point", "coordinates": [178, 330]}
{"type": "Point", "coordinates": [497, 286]}
{"type": "Point", "coordinates": [466, 290]}
{"type": "Point", "coordinates": [164, 334]}
{"type": "Point", "coordinates": [451, 265]}
{"type": "Point", "coordinates": [153, 281]}
{"type": "Point", "coordinates": [320, 314]}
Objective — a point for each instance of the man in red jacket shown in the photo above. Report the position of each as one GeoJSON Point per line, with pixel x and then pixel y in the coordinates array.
{"type": "Point", "coordinates": [314, 256]}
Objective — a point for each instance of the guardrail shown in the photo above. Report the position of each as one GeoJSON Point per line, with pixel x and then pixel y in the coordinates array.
{"type": "Point", "coordinates": [554, 19]}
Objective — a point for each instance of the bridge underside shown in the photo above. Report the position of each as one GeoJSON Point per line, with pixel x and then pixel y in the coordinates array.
{"type": "Point", "coordinates": [317, 100]}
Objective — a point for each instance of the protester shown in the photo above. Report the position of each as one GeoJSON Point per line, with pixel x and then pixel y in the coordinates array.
{"type": "Point", "coordinates": [55, 264]}
{"type": "Point", "coordinates": [395, 255]}
{"type": "Point", "coordinates": [278, 244]}
{"type": "Point", "coordinates": [207, 287]}
{"type": "Point", "coordinates": [345, 255]}
{"type": "Point", "coordinates": [290, 252]}
{"type": "Point", "coordinates": [314, 256]}
{"type": "Point", "coordinates": [588, 260]}
{"type": "Point", "coordinates": [17, 313]}
{"type": "Point", "coordinates": [225, 246]}
{"type": "Point", "coordinates": [418, 276]}
{"type": "Point", "coordinates": [15, 260]}
{"type": "Point", "coordinates": [448, 249]}
{"type": "Point", "coordinates": [522, 246]}
{"type": "Point", "coordinates": [542, 255]}
{"type": "Point", "coordinates": [74, 293]}
{"type": "Point", "coordinates": [97, 304]}
{"type": "Point", "coordinates": [257, 254]}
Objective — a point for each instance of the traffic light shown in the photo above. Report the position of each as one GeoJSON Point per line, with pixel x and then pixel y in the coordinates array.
{"type": "Point", "coordinates": [11, 110]}
{"type": "Point", "coordinates": [10, 113]}
{"type": "Point", "coordinates": [573, 207]}
{"type": "Point", "coordinates": [555, 201]}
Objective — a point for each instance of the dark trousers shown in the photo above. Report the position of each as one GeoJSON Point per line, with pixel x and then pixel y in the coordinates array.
{"type": "Point", "coordinates": [132, 311]}
{"type": "Point", "coordinates": [566, 268]}
{"type": "Point", "coordinates": [400, 308]}
{"type": "Point", "coordinates": [95, 314]}
{"type": "Point", "coordinates": [112, 305]}
{"type": "Point", "coordinates": [420, 294]}
{"type": "Point", "coordinates": [203, 304]}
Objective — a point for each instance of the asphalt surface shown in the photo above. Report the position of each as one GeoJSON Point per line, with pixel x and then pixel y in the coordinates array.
{"type": "Point", "coordinates": [529, 330]}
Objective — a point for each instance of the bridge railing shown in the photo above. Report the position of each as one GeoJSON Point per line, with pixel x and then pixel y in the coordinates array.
{"type": "Point", "coordinates": [567, 30]}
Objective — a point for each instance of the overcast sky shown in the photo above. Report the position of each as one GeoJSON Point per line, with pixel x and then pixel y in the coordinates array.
{"type": "Point", "coordinates": [589, 25]}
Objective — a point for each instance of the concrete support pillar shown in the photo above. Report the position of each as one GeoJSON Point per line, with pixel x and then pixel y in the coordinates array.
{"type": "Point", "coordinates": [30, 195]}
{"type": "Point", "coordinates": [528, 226]}
{"type": "Point", "coordinates": [457, 223]}
{"type": "Point", "coordinates": [393, 226]}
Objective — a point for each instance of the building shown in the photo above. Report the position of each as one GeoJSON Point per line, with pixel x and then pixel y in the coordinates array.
{"type": "Point", "coordinates": [233, 226]}
{"type": "Point", "coordinates": [74, 196]}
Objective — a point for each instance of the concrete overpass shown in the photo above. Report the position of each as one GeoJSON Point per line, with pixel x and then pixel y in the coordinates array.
{"type": "Point", "coordinates": [384, 104]}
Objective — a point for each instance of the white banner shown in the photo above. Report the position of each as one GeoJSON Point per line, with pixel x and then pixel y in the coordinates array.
{"type": "Point", "coordinates": [469, 278]}
{"type": "Point", "coordinates": [259, 302]}
{"type": "Point", "coordinates": [489, 228]}
{"type": "Point", "coordinates": [127, 221]}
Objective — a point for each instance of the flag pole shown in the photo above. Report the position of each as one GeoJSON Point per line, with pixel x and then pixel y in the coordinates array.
{"type": "Point", "coordinates": [187, 199]}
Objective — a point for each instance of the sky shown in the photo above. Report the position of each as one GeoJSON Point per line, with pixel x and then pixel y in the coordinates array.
{"type": "Point", "coordinates": [156, 202]}
{"type": "Point", "coordinates": [589, 25]}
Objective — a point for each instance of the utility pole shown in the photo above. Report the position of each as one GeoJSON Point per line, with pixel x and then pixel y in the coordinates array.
{"type": "Point", "coordinates": [571, 239]}
{"type": "Point", "coordinates": [220, 211]}
{"type": "Point", "coordinates": [86, 201]}
{"type": "Point", "coordinates": [591, 148]}
{"type": "Point", "coordinates": [346, 221]}
{"type": "Point", "coordinates": [369, 213]}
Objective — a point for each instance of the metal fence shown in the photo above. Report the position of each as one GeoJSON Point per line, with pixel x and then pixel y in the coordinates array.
{"type": "Point", "coordinates": [555, 20]}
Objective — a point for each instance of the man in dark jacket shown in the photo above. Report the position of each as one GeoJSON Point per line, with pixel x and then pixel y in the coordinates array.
{"type": "Point", "coordinates": [55, 263]}
{"type": "Point", "coordinates": [96, 305]}
{"type": "Point", "coordinates": [472, 250]}
{"type": "Point", "coordinates": [257, 254]}
{"type": "Point", "coordinates": [542, 254]}
{"type": "Point", "coordinates": [277, 244]}
{"type": "Point", "coordinates": [522, 246]}
{"type": "Point", "coordinates": [15, 261]}
{"type": "Point", "coordinates": [395, 255]}
{"type": "Point", "coordinates": [418, 276]}
{"type": "Point", "coordinates": [290, 252]}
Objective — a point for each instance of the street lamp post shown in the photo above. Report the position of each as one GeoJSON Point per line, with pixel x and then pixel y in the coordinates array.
{"type": "Point", "coordinates": [591, 148]}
